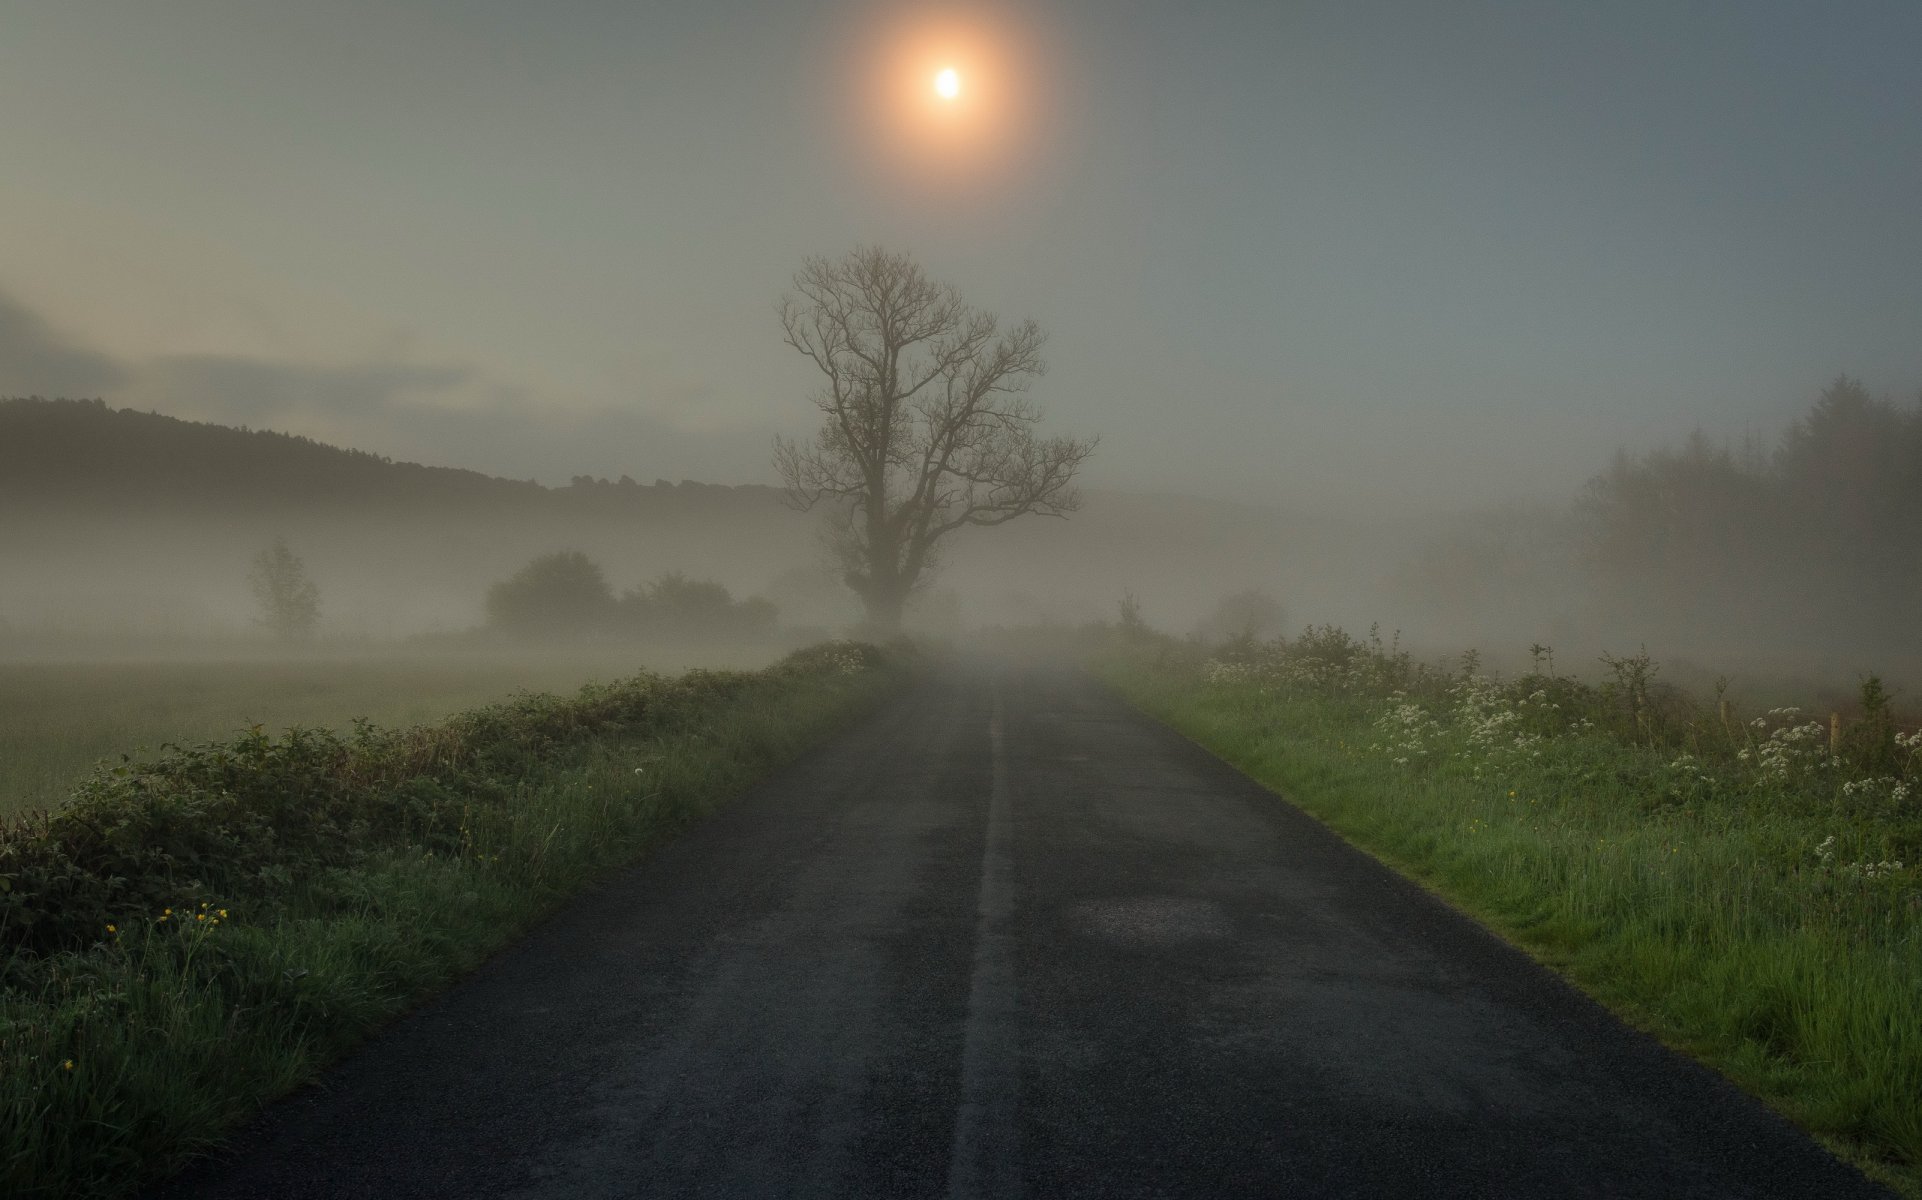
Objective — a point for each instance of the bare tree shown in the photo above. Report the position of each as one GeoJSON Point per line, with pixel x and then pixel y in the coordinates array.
{"type": "Point", "coordinates": [289, 601]}
{"type": "Point", "coordinates": [928, 424]}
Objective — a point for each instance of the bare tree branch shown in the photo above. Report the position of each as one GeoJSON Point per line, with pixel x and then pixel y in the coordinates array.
{"type": "Point", "coordinates": [927, 427]}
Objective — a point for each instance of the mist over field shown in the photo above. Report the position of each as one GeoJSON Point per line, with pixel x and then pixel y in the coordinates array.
{"type": "Point", "coordinates": [133, 532]}
{"type": "Point", "coordinates": [1525, 327]}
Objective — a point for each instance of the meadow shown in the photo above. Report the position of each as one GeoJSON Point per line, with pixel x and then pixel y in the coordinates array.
{"type": "Point", "coordinates": [1746, 885]}
{"type": "Point", "coordinates": [59, 718]}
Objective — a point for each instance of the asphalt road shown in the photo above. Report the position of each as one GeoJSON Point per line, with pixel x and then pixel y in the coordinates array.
{"type": "Point", "coordinates": [1009, 938]}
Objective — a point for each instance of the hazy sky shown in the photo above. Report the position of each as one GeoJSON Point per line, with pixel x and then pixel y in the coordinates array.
{"type": "Point", "coordinates": [1360, 253]}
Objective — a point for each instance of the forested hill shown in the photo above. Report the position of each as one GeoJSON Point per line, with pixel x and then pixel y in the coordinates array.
{"type": "Point", "coordinates": [81, 455]}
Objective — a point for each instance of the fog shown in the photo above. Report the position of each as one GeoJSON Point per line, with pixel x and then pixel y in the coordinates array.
{"type": "Point", "coordinates": [1793, 561]}
{"type": "Point", "coordinates": [1524, 325]}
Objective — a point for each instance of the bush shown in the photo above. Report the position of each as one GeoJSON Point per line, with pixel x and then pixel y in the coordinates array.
{"type": "Point", "coordinates": [245, 818]}
{"type": "Point", "coordinates": [564, 594]}
{"type": "Point", "coordinates": [677, 606]}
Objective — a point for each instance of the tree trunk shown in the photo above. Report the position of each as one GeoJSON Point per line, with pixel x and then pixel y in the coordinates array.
{"type": "Point", "coordinates": [884, 601]}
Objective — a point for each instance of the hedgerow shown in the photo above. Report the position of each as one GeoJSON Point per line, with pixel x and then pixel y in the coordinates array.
{"type": "Point", "coordinates": [193, 934]}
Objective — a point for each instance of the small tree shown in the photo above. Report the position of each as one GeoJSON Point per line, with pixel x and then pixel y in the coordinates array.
{"type": "Point", "coordinates": [1249, 615]}
{"type": "Point", "coordinates": [928, 426]}
{"type": "Point", "coordinates": [1133, 625]}
{"type": "Point", "coordinates": [556, 595]}
{"type": "Point", "coordinates": [289, 600]}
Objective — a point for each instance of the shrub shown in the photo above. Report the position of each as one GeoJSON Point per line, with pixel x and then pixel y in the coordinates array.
{"type": "Point", "coordinates": [564, 594]}
{"type": "Point", "coordinates": [675, 605]}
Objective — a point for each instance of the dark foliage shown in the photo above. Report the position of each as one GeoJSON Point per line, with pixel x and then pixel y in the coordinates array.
{"type": "Point", "coordinates": [252, 819]}
{"type": "Point", "coordinates": [1826, 528]}
{"type": "Point", "coordinates": [676, 606]}
{"type": "Point", "coordinates": [564, 594]}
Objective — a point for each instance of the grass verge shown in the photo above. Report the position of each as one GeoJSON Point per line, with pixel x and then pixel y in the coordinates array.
{"type": "Point", "coordinates": [191, 937]}
{"type": "Point", "coordinates": [1764, 923]}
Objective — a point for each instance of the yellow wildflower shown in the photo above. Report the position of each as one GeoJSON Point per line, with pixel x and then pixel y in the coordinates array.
{"type": "Point", "coordinates": [67, 1066]}
{"type": "Point", "coordinates": [111, 929]}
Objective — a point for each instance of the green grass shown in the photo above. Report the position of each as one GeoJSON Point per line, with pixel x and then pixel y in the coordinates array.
{"type": "Point", "coordinates": [123, 1051]}
{"type": "Point", "coordinates": [1702, 911]}
{"type": "Point", "coordinates": [58, 719]}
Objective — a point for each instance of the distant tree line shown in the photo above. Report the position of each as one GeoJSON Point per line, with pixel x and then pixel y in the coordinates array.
{"type": "Point", "coordinates": [567, 595]}
{"type": "Point", "coordinates": [1842, 492]}
{"type": "Point", "coordinates": [1826, 530]}
{"type": "Point", "coordinates": [1817, 538]}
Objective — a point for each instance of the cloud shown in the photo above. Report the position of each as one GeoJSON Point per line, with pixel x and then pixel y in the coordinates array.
{"type": "Point", "coordinates": [36, 361]}
{"type": "Point", "coordinates": [447, 415]}
{"type": "Point", "coordinates": [256, 391]}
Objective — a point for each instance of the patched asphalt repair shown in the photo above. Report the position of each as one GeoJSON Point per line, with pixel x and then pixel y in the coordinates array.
{"type": "Point", "coordinates": [1009, 937]}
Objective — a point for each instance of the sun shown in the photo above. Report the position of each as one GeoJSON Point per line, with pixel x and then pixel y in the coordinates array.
{"type": "Point", "coordinates": [947, 83]}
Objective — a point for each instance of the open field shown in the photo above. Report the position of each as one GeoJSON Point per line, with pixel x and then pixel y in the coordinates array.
{"type": "Point", "coordinates": [59, 718]}
{"type": "Point", "coordinates": [1728, 879]}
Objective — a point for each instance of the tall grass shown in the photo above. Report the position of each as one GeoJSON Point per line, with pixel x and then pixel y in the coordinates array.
{"type": "Point", "coordinates": [139, 1018]}
{"type": "Point", "coordinates": [1732, 883]}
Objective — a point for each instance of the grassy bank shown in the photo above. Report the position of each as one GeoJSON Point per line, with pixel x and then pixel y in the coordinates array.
{"type": "Point", "coordinates": [58, 718]}
{"type": "Point", "coordinates": [1730, 881]}
{"type": "Point", "coordinates": [192, 936]}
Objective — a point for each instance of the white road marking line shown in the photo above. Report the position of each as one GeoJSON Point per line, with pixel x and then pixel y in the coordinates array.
{"type": "Point", "coordinates": [986, 1159]}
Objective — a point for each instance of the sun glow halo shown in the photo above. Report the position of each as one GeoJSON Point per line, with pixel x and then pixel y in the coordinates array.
{"type": "Point", "coordinates": [949, 97]}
